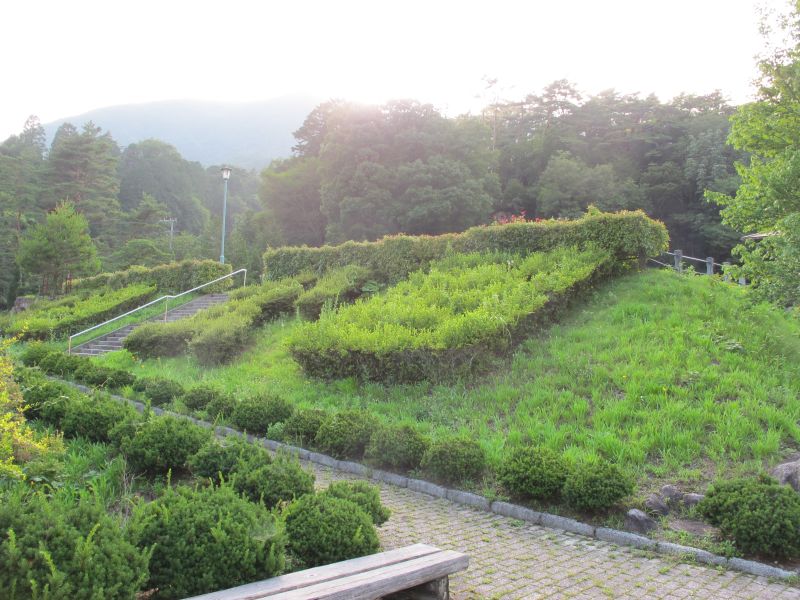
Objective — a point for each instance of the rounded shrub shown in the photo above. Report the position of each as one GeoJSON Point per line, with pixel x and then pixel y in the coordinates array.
{"type": "Point", "coordinates": [221, 405]}
{"type": "Point", "coordinates": [34, 352]}
{"type": "Point", "coordinates": [93, 417]}
{"type": "Point", "coordinates": [100, 376]}
{"type": "Point", "coordinates": [361, 493]}
{"type": "Point", "coordinates": [346, 434]}
{"type": "Point", "coordinates": [200, 396]}
{"type": "Point", "coordinates": [303, 425]}
{"type": "Point", "coordinates": [215, 458]}
{"type": "Point", "coordinates": [159, 390]}
{"type": "Point", "coordinates": [595, 486]}
{"type": "Point", "coordinates": [206, 539]}
{"type": "Point", "coordinates": [163, 443]}
{"type": "Point", "coordinates": [63, 365]}
{"type": "Point", "coordinates": [257, 413]}
{"type": "Point", "coordinates": [531, 472]}
{"type": "Point", "coordinates": [281, 480]}
{"type": "Point", "coordinates": [398, 447]}
{"type": "Point", "coordinates": [454, 460]}
{"type": "Point", "coordinates": [65, 545]}
{"type": "Point", "coordinates": [323, 529]}
{"type": "Point", "coordinates": [760, 515]}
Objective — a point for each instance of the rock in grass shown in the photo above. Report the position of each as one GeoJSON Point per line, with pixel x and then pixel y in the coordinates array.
{"type": "Point", "coordinates": [639, 522]}
{"type": "Point", "coordinates": [691, 500]}
{"type": "Point", "coordinates": [671, 494]}
{"type": "Point", "coordinates": [788, 473]}
{"type": "Point", "coordinates": [655, 505]}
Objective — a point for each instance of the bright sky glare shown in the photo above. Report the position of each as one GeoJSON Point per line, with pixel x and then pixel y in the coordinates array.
{"type": "Point", "coordinates": [64, 58]}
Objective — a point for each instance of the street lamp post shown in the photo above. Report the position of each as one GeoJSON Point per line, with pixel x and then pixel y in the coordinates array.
{"type": "Point", "coordinates": [226, 174]}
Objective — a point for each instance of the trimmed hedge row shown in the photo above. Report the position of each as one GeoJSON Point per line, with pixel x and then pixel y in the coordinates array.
{"type": "Point", "coordinates": [626, 235]}
{"type": "Point", "coordinates": [169, 278]}
{"type": "Point", "coordinates": [448, 321]}
{"type": "Point", "coordinates": [64, 319]}
{"type": "Point", "coordinates": [220, 333]}
{"type": "Point", "coordinates": [338, 286]}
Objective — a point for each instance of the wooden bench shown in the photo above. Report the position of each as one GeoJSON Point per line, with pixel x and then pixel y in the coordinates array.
{"type": "Point", "coordinates": [414, 572]}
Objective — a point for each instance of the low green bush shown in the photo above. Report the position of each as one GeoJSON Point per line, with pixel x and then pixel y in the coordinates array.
{"type": "Point", "coordinates": [364, 495]}
{"type": "Point", "coordinates": [200, 396]}
{"type": "Point", "coordinates": [45, 399]}
{"type": "Point", "coordinates": [761, 516]}
{"type": "Point", "coordinates": [163, 443]}
{"type": "Point", "coordinates": [397, 447]}
{"type": "Point", "coordinates": [339, 286]}
{"type": "Point", "coordinates": [322, 529]}
{"type": "Point", "coordinates": [530, 472]}
{"type": "Point", "coordinates": [219, 340]}
{"type": "Point", "coordinates": [100, 376]}
{"type": "Point", "coordinates": [303, 425]}
{"type": "Point", "coordinates": [34, 352]}
{"type": "Point", "coordinates": [152, 340]}
{"type": "Point", "coordinates": [595, 486]}
{"type": "Point", "coordinates": [62, 365]}
{"type": "Point", "coordinates": [256, 413]}
{"type": "Point", "coordinates": [236, 454]}
{"type": "Point", "coordinates": [346, 434]}
{"type": "Point", "coordinates": [206, 539]}
{"type": "Point", "coordinates": [280, 480]}
{"type": "Point", "coordinates": [158, 390]}
{"type": "Point", "coordinates": [454, 460]}
{"type": "Point", "coordinates": [93, 417]}
{"type": "Point", "coordinates": [65, 545]}
{"type": "Point", "coordinates": [222, 405]}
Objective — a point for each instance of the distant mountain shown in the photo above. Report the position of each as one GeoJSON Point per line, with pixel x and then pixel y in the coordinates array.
{"type": "Point", "coordinates": [247, 135]}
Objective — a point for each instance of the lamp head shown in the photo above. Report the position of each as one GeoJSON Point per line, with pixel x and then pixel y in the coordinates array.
{"type": "Point", "coordinates": [226, 173]}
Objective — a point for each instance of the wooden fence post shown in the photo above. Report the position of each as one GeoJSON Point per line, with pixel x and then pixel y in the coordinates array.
{"type": "Point", "coordinates": [679, 261]}
{"type": "Point", "coordinates": [709, 265]}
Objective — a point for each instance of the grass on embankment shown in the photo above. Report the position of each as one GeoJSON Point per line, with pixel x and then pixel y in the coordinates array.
{"type": "Point", "coordinates": [676, 378]}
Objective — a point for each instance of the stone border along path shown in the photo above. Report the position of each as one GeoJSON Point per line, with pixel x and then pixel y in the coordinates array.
{"type": "Point", "coordinates": [519, 553]}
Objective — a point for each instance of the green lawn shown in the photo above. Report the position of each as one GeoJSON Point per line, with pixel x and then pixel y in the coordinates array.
{"type": "Point", "coordinates": [677, 378]}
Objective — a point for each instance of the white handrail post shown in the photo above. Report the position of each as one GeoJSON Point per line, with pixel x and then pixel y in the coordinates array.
{"type": "Point", "coordinates": [726, 276]}
{"type": "Point", "coordinates": [166, 305]}
{"type": "Point", "coordinates": [244, 279]}
{"type": "Point", "coordinates": [709, 265]}
{"type": "Point", "coordinates": [678, 263]}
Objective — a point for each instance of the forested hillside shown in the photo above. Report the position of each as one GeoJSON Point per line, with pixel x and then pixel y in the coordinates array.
{"type": "Point", "coordinates": [361, 172]}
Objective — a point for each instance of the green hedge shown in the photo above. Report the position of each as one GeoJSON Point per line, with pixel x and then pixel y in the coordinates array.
{"type": "Point", "coordinates": [220, 333]}
{"type": "Point", "coordinates": [63, 320]}
{"type": "Point", "coordinates": [627, 234]}
{"type": "Point", "coordinates": [169, 278]}
{"type": "Point", "coordinates": [449, 321]}
{"type": "Point", "coordinates": [339, 286]}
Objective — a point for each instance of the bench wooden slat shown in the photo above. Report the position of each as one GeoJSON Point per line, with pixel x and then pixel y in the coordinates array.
{"type": "Point", "coordinates": [384, 580]}
{"type": "Point", "coordinates": [301, 579]}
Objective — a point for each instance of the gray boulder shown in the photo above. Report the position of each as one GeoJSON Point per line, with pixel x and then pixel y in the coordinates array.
{"type": "Point", "coordinates": [639, 522]}
{"type": "Point", "coordinates": [691, 500]}
{"type": "Point", "coordinates": [788, 473]}
{"type": "Point", "coordinates": [655, 505]}
{"type": "Point", "coordinates": [671, 494]}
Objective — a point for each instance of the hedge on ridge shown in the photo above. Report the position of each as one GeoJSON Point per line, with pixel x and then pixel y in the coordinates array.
{"type": "Point", "coordinates": [449, 321]}
{"type": "Point", "coordinates": [626, 234]}
{"type": "Point", "coordinates": [169, 278]}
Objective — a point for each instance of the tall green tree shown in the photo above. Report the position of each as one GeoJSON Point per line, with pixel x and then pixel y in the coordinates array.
{"type": "Point", "coordinates": [290, 189]}
{"type": "Point", "coordinates": [58, 249]}
{"type": "Point", "coordinates": [82, 170]}
{"type": "Point", "coordinates": [768, 200]}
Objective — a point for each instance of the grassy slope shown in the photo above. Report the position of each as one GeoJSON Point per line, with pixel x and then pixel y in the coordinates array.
{"type": "Point", "coordinates": [675, 377]}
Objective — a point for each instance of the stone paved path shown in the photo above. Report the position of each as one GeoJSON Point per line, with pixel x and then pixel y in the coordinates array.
{"type": "Point", "coordinates": [512, 559]}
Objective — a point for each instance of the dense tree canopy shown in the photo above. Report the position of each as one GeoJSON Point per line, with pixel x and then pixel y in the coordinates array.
{"type": "Point", "coordinates": [768, 201]}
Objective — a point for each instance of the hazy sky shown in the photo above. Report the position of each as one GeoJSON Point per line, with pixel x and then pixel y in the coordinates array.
{"type": "Point", "coordinates": [63, 58]}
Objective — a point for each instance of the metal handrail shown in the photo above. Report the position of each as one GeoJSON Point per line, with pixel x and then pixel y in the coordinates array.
{"type": "Point", "coordinates": [700, 260]}
{"type": "Point", "coordinates": [168, 297]}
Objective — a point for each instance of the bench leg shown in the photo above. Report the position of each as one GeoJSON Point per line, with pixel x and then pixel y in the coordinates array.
{"type": "Point", "coordinates": [438, 589]}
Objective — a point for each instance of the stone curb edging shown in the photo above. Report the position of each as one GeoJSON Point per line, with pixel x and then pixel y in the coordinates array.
{"type": "Point", "coordinates": [476, 501]}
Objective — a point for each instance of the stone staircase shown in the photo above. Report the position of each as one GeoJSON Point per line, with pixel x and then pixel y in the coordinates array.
{"type": "Point", "coordinates": [113, 341]}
